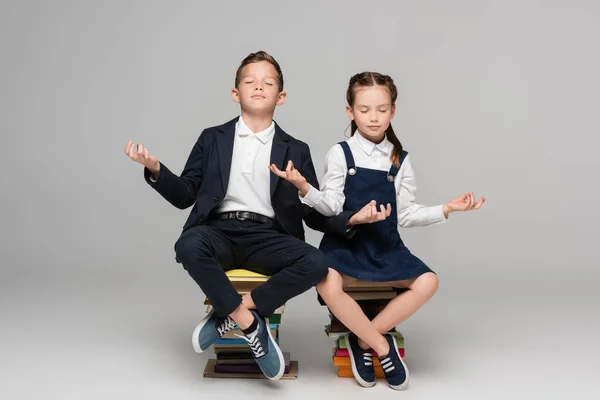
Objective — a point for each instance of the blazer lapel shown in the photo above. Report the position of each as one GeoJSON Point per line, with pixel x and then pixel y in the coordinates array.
{"type": "Point", "coordinates": [225, 150]}
{"type": "Point", "coordinates": [278, 152]}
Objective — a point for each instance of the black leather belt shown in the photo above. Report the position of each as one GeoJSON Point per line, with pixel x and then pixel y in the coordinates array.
{"type": "Point", "coordinates": [243, 216]}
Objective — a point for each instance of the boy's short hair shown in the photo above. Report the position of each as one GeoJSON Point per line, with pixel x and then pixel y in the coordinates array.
{"type": "Point", "coordinates": [256, 57]}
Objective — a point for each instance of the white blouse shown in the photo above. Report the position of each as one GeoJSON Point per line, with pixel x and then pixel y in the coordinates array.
{"type": "Point", "coordinates": [330, 199]}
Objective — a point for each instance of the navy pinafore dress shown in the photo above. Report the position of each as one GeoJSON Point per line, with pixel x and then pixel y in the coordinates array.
{"type": "Point", "coordinates": [376, 253]}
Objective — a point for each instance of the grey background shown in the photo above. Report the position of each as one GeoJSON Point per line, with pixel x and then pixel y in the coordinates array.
{"type": "Point", "coordinates": [496, 97]}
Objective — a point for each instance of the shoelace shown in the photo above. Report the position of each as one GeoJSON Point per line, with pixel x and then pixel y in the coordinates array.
{"type": "Point", "coordinates": [368, 358]}
{"type": "Point", "coordinates": [387, 365]}
{"type": "Point", "coordinates": [225, 326]}
{"type": "Point", "coordinates": [254, 344]}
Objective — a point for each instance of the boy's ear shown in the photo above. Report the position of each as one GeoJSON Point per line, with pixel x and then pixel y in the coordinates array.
{"type": "Point", "coordinates": [235, 95]}
{"type": "Point", "coordinates": [350, 113]}
{"type": "Point", "coordinates": [281, 98]}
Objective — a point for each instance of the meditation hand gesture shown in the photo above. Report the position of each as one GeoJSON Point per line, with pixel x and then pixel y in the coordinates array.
{"type": "Point", "coordinates": [369, 214]}
{"type": "Point", "coordinates": [466, 202]}
{"type": "Point", "coordinates": [140, 154]}
{"type": "Point", "coordinates": [292, 175]}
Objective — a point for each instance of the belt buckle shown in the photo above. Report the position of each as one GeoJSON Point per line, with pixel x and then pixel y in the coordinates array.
{"type": "Point", "coordinates": [238, 217]}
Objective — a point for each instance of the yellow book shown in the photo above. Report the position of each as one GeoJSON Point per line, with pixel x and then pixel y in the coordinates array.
{"type": "Point", "coordinates": [245, 275]}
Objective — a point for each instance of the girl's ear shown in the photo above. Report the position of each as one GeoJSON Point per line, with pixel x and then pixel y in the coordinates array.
{"type": "Point", "coordinates": [393, 110]}
{"type": "Point", "coordinates": [350, 113]}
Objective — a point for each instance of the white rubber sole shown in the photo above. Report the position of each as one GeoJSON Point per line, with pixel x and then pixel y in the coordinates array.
{"type": "Point", "coordinates": [405, 384]}
{"type": "Point", "coordinates": [279, 353]}
{"type": "Point", "coordinates": [360, 380]}
{"type": "Point", "coordinates": [196, 334]}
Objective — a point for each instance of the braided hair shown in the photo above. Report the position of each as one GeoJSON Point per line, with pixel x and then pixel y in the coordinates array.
{"type": "Point", "coordinates": [367, 79]}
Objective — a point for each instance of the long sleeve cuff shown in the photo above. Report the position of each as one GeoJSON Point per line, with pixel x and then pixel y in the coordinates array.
{"type": "Point", "coordinates": [436, 214]}
{"type": "Point", "coordinates": [312, 198]}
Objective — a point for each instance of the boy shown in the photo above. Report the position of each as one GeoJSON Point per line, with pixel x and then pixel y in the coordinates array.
{"type": "Point", "coordinates": [245, 217]}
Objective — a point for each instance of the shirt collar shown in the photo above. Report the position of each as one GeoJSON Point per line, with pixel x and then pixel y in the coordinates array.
{"type": "Point", "coordinates": [385, 146]}
{"type": "Point", "coordinates": [263, 136]}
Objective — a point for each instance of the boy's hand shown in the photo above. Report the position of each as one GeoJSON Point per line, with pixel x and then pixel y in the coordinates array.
{"type": "Point", "coordinates": [140, 154]}
{"type": "Point", "coordinates": [292, 175]}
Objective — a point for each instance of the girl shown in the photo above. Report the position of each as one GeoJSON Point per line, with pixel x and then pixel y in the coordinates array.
{"type": "Point", "coordinates": [372, 166]}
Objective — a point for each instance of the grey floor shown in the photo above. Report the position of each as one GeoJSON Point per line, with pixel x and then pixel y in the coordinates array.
{"type": "Point", "coordinates": [126, 334]}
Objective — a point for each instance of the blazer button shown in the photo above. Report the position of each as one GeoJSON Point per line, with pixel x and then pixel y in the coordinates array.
{"type": "Point", "coordinates": [201, 219]}
{"type": "Point", "coordinates": [217, 199]}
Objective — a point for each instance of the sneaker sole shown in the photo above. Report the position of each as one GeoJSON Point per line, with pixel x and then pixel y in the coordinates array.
{"type": "Point", "coordinates": [279, 353]}
{"type": "Point", "coordinates": [405, 384]}
{"type": "Point", "coordinates": [196, 335]}
{"type": "Point", "coordinates": [360, 380]}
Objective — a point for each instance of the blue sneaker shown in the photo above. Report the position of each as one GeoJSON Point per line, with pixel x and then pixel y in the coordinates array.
{"type": "Point", "coordinates": [265, 350]}
{"type": "Point", "coordinates": [361, 360]}
{"type": "Point", "coordinates": [396, 373]}
{"type": "Point", "coordinates": [209, 330]}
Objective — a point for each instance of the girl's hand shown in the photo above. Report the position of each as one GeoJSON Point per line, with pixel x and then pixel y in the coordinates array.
{"type": "Point", "coordinates": [466, 202]}
{"type": "Point", "coordinates": [292, 175]}
{"type": "Point", "coordinates": [369, 214]}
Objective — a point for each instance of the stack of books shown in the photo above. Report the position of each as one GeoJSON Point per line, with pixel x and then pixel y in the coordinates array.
{"type": "Point", "coordinates": [233, 358]}
{"type": "Point", "coordinates": [372, 298]}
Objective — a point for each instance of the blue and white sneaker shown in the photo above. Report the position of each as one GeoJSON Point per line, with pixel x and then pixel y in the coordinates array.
{"type": "Point", "coordinates": [209, 330]}
{"type": "Point", "coordinates": [361, 360]}
{"type": "Point", "coordinates": [265, 350]}
{"type": "Point", "coordinates": [396, 373]}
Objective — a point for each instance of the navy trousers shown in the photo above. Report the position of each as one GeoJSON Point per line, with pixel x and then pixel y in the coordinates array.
{"type": "Point", "coordinates": [208, 251]}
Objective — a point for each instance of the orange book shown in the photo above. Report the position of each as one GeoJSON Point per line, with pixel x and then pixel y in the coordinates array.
{"type": "Point", "coordinates": [344, 372]}
{"type": "Point", "coordinates": [345, 362]}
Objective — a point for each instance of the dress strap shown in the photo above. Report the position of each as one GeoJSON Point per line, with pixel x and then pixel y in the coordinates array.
{"type": "Point", "coordinates": [349, 159]}
{"type": "Point", "coordinates": [394, 170]}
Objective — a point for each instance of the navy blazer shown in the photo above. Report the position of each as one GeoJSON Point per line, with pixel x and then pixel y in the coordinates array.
{"type": "Point", "coordinates": [203, 182]}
